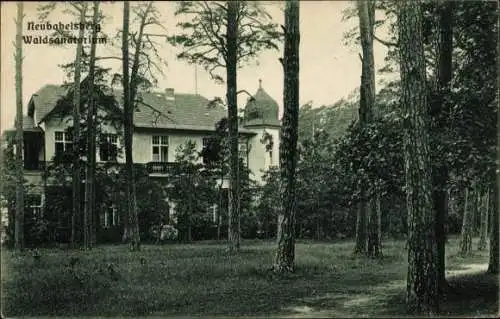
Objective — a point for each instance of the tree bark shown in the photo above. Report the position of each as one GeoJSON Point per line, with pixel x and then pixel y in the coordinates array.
{"type": "Point", "coordinates": [440, 171]}
{"type": "Point", "coordinates": [374, 239]}
{"type": "Point", "coordinates": [494, 251]}
{"type": "Point", "coordinates": [130, 87]}
{"type": "Point", "coordinates": [361, 228]}
{"type": "Point", "coordinates": [91, 111]}
{"type": "Point", "coordinates": [234, 180]}
{"type": "Point", "coordinates": [285, 252]}
{"type": "Point", "coordinates": [483, 232]}
{"type": "Point", "coordinates": [76, 133]}
{"type": "Point", "coordinates": [466, 234]}
{"type": "Point", "coordinates": [19, 215]}
{"type": "Point", "coordinates": [422, 286]}
{"type": "Point", "coordinates": [219, 211]}
{"type": "Point", "coordinates": [366, 15]}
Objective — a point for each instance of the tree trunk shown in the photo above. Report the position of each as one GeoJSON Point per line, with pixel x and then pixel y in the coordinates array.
{"type": "Point", "coordinates": [374, 239]}
{"type": "Point", "coordinates": [475, 212]}
{"type": "Point", "coordinates": [219, 212]}
{"type": "Point", "coordinates": [132, 231]}
{"type": "Point", "coordinates": [440, 171]}
{"type": "Point", "coordinates": [483, 232]}
{"type": "Point", "coordinates": [422, 278]}
{"type": "Point", "coordinates": [234, 180]}
{"type": "Point", "coordinates": [285, 253]}
{"type": "Point", "coordinates": [19, 215]}
{"type": "Point", "coordinates": [318, 227]}
{"type": "Point", "coordinates": [76, 134]}
{"type": "Point", "coordinates": [188, 217]}
{"type": "Point", "coordinates": [90, 176]}
{"type": "Point", "coordinates": [466, 235]}
{"type": "Point", "coordinates": [361, 228]}
{"type": "Point", "coordinates": [494, 252]}
{"type": "Point", "coordinates": [366, 11]}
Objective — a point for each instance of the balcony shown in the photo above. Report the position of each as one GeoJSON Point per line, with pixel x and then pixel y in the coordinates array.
{"type": "Point", "coordinates": [172, 169]}
{"type": "Point", "coordinates": [161, 168]}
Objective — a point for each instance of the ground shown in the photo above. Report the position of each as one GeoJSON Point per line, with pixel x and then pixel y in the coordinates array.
{"type": "Point", "coordinates": [202, 279]}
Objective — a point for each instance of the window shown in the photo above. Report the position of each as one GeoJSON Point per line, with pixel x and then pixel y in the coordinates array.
{"type": "Point", "coordinates": [243, 150]}
{"type": "Point", "coordinates": [160, 148]}
{"type": "Point", "coordinates": [63, 142]}
{"type": "Point", "coordinates": [206, 141]}
{"type": "Point", "coordinates": [115, 216]}
{"type": "Point", "coordinates": [110, 218]}
{"type": "Point", "coordinates": [108, 147]}
{"type": "Point", "coordinates": [214, 213]}
{"type": "Point", "coordinates": [35, 204]}
{"type": "Point", "coordinates": [205, 150]}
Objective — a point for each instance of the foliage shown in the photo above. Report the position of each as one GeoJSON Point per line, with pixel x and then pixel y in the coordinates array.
{"type": "Point", "coordinates": [146, 62]}
{"type": "Point", "coordinates": [315, 182]}
{"type": "Point", "coordinates": [267, 207]}
{"type": "Point", "coordinates": [203, 41]}
{"type": "Point", "coordinates": [474, 93]}
{"type": "Point", "coordinates": [372, 157]}
{"type": "Point", "coordinates": [215, 155]}
{"type": "Point", "coordinates": [192, 189]}
{"type": "Point", "coordinates": [36, 231]}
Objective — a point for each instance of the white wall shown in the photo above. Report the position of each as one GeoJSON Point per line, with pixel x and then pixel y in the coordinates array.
{"type": "Point", "coordinates": [54, 125]}
{"type": "Point", "coordinates": [143, 144]}
{"type": "Point", "coordinates": [258, 159]}
{"type": "Point", "coordinates": [50, 127]}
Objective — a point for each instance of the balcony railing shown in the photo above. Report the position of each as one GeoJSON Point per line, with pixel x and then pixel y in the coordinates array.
{"type": "Point", "coordinates": [172, 169]}
{"type": "Point", "coordinates": [161, 167]}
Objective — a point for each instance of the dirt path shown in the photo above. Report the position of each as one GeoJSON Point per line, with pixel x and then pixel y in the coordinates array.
{"type": "Point", "coordinates": [468, 269]}
{"type": "Point", "coordinates": [354, 306]}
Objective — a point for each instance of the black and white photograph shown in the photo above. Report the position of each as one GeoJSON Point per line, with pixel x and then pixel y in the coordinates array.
{"type": "Point", "coordinates": [249, 159]}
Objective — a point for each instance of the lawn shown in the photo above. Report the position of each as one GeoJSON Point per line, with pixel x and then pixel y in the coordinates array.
{"type": "Point", "coordinates": [203, 280]}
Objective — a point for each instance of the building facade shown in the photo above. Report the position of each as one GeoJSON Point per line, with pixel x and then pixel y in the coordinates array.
{"type": "Point", "coordinates": [162, 122]}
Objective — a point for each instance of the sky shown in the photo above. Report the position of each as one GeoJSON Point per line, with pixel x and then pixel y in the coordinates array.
{"type": "Point", "coordinates": [329, 70]}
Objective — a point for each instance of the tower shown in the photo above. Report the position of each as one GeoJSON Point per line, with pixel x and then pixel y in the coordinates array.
{"type": "Point", "coordinates": [261, 116]}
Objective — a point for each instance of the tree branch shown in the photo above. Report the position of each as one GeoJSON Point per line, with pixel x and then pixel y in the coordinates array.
{"type": "Point", "coordinates": [245, 91]}
{"type": "Point", "coordinates": [108, 58]}
{"type": "Point", "coordinates": [386, 43]}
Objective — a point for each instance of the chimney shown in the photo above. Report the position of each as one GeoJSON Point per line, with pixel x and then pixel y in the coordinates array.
{"type": "Point", "coordinates": [169, 94]}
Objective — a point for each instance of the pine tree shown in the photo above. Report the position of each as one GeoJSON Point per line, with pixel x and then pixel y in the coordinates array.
{"type": "Point", "coordinates": [422, 284]}
{"type": "Point", "coordinates": [91, 144]}
{"type": "Point", "coordinates": [285, 252]}
{"type": "Point", "coordinates": [19, 216]}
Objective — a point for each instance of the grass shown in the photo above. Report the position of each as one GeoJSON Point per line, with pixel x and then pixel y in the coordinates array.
{"type": "Point", "coordinates": [203, 280]}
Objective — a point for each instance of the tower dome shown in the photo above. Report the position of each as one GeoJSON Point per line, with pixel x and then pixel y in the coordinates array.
{"type": "Point", "coordinates": [261, 110]}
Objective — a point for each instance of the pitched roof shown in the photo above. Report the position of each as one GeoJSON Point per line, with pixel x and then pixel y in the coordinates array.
{"type": "Point", "coordinates": [45, 100]}
{"type": "Point", "coordinates": [185, 112]}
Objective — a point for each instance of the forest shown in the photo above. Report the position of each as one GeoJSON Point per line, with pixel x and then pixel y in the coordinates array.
{"type": "Point", "coordinates": [396, 181]}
